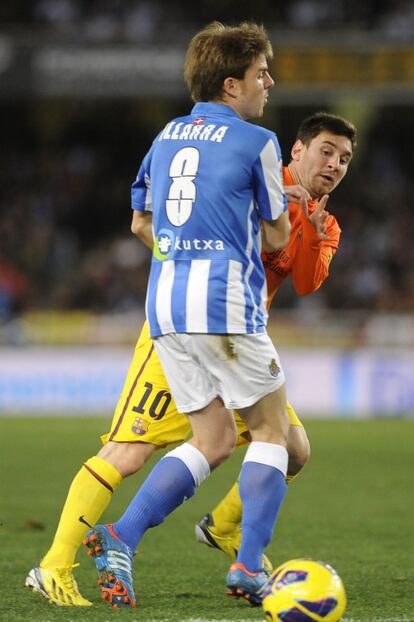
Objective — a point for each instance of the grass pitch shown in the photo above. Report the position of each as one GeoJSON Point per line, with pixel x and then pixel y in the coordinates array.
{"type": "Point", "coordinates": [352, 507]}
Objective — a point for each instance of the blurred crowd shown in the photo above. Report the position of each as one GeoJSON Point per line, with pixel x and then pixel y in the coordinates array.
{"type": "Point", "coordinates": [143, 20]}
{"type": "Point", "coordinates": [65, 240]}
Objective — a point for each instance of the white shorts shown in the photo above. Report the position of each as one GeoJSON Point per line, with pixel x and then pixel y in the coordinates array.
{"type": "Point", "coordinates": [240, 369]}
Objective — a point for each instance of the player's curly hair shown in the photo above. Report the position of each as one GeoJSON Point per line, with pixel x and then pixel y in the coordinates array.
{"type": "Point", "coordinates": [324, 122]}
{"type": "Point", "coordinates": [218, 52]}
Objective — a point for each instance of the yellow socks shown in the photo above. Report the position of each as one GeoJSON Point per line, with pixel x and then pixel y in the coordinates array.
{"type": "Point", "coordinates": [227, 514]}
{"type": "Point", "coordinates": [88, 496]}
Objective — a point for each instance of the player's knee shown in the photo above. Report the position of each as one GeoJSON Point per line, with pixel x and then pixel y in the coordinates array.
{"type": "Point", "coordinates": [220, 455]}
{"type": "Point", "coordinates": [127, 458]}
{"type": "Point", "coordinates": [217, 452]}
{"type": "Point", "coordinates": [227, 448]}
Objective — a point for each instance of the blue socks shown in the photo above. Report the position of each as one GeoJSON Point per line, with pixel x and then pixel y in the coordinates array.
{"type": "Point", "coordinates": [166, 487]}
{"type": "Point", "coordinates": [260, 510]}
{"type": "Point", "coordinates": [175, 477]}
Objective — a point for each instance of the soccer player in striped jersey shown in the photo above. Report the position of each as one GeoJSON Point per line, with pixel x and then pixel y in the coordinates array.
{"type": "Point", "coordinates": [209, 190]}
{"type": "Point", "coordinates": [146, 416]}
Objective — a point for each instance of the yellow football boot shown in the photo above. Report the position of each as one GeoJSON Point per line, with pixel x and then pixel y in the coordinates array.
{"type": "Point", "coordinates": [58, 585]}
{"type": "Point", "coordinates": [206, 532]}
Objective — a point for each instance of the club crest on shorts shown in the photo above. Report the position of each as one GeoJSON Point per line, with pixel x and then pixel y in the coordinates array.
{"type": "Point", "coordinates": [140, 426]}
{"type": "Point", "coordinates": [274, 368]}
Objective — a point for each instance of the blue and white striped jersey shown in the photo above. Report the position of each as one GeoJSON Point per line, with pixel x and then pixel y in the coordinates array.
{"type": "Point", "coordinates": [208, 179]}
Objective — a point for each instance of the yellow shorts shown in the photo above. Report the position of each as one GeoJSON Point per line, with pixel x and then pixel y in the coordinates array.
{"type": "Point", "coordinates": [146, 411]}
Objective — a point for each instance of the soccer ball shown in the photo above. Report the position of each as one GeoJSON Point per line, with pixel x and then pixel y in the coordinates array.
{"type": "Point", "coordinates": [303, 590]}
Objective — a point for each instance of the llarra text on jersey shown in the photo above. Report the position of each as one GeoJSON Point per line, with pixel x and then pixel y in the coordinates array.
{"type": "Point", "coordinates": [187, 131]}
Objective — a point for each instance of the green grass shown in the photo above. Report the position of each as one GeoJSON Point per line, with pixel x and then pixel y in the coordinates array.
{"type": "Point", "coordinates": [352, 507]}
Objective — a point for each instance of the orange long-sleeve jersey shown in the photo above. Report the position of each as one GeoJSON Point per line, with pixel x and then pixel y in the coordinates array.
{"type": "Point", "coordinates": [306, 257]}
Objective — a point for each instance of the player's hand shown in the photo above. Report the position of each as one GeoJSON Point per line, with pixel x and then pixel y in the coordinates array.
{"type": "Point", "coordinates": [298, 194]}
{"type": "Point", "coordinates": [319, 217]}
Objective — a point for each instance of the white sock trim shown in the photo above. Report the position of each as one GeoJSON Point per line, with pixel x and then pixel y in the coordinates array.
{"type": "Point", "coordinates": [193, 459]}
{"type": "Point", "coordinates": [268, 453]}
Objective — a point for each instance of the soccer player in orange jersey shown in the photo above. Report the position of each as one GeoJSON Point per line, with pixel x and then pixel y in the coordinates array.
{"type": "Point", "coordinates": [146, 417]}
{"type": "Point", "coordinates": [319, 160]}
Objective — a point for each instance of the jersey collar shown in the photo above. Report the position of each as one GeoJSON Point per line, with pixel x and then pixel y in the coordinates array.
{"type": "Point", "coordinates": [208, 108]}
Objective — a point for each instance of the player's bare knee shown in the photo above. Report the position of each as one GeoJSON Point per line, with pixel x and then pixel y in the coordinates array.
{"type": "Point", "coordinates": [217, 452]}
{"type": "Point", "coordinates": [219, 455]}
{"type": "Point", "coordinates": [227, 448]}
{"type": "Point", "coordinates": [127, 458]}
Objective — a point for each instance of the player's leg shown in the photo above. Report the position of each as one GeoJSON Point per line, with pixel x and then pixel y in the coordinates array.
{"type": "Point", "coordinates": [253, 383]}
{"type": "Point", "coordinates": [221, 528]}
{"type": "Point", "coordinates": [176, 476]}
{"type": "Point", "coordinates": [145, 418]}
{"type": "Point", "coordinates": [298, 446]}
{"type": "Point", "coordinates": [264, 465]}
{"type": "Point", "coordinates": [262, 487]}
{"type": "Point", "coordinates": [173, 479]}
{"type": "Point", "coordinates": [89, 494]}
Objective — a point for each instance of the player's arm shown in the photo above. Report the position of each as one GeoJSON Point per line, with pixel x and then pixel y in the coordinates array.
{"type": "Point", "coordinates": [141, 200]}
{"type": "Point", "coordinates": [275, 233]}
{"type": "Point", "coordinates": [141, 226]}
{"type": "Point", "coordinates": [270, 196]}
{"type": "Point", "coordinates": [315, 250]}
{"type": "Point", "coordinates": [296, 193]}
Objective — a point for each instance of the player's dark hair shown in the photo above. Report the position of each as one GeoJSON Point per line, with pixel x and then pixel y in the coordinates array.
{"type": "Point", "coordinates": [218, 52]}
{"type": "Point", "coordinates": [324, 122]}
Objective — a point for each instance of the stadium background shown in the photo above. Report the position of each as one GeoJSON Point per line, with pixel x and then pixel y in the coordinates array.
{"type": "Point", "coordinates": [85, 86]}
